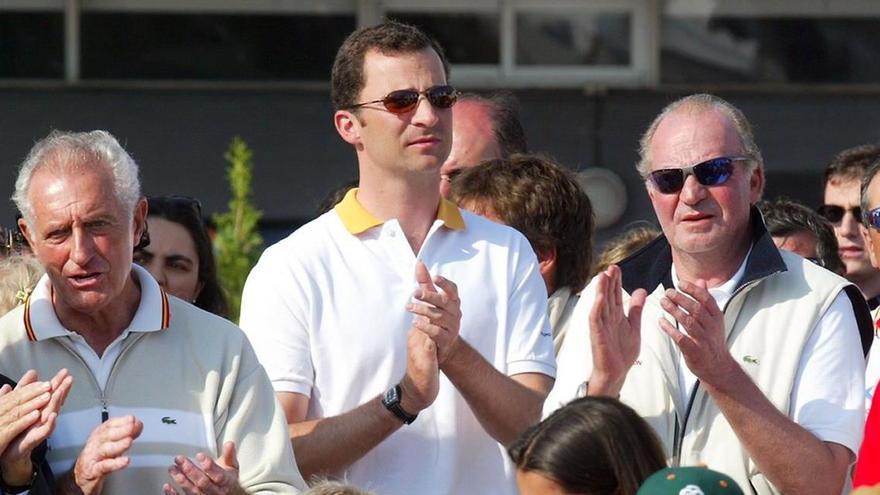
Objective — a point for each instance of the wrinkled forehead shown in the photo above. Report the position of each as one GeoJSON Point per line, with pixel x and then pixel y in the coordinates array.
{"type": "Point", "coordinates": [688, 136]}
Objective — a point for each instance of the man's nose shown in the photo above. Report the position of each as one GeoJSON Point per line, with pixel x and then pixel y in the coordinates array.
{"type": "Point", "coordinates": [692, 192]}
{"type": "Point", "coordinates": [425, 114]}
{"type": "Point", "coordinates": [849, 224]}
{"type": "Point", "coordinates": [83, 248]}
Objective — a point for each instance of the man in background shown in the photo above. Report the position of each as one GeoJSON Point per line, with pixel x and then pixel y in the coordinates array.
{"type": "Point", "coordinates": [843, 178]}
{"type": "Point", "coordinates": [483, 128]}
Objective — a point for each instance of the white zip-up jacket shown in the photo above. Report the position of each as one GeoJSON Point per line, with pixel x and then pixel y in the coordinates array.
{"type": "Point", "coordinates": [190, 376]}
{"type": "Point", "coordinates": [768, 321]}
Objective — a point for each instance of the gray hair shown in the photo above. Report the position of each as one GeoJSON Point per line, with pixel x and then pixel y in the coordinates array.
{"type": "Point", "coordinates": [63, 150]}
{"type": "Point", "coordinates": [700, 103]}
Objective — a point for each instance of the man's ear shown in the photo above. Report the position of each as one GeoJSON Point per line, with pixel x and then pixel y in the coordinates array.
{"type": "Point", "coordinates": [27, 232]}
{"type": "Point", "coordinates": [547, 266]}
{"type": "Point", "coordinates": [139, 220]}
{"type": "Point", "coordinates": [348, 126]}
{"type": "Point", "coordinates": [869, 245]}
{"type": "Point", "coordinates": [756, 183]}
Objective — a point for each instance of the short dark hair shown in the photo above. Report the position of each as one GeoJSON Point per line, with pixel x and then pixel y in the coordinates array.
{"type": "Point", "coordinates": [866, 181]}
{"type": "Point", "coordinates": [785, 217]}
{"type": "Point", "coordinates": [541, 199]}
{"type": "Point", "coordinates": [187, 213]}
{"type": "Point", "coordinates": [851, 163]}
{"type": "Point", "coordinates": [347, 76]}
{"type": "Point", "coordinates": [591, 445]}
{"type": "Point", "coordinates": [504, 111]}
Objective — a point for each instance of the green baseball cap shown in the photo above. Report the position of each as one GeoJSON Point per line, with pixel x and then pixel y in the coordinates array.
{"type": "Point", "coordinates": [693, 480]}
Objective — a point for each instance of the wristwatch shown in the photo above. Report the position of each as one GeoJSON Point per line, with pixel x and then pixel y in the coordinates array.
{"type": "Point", "coordinates": [391, 401]}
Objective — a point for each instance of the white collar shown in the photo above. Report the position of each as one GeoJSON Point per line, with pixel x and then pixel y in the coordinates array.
{"type": "Point", "coordinates": [153, 312]}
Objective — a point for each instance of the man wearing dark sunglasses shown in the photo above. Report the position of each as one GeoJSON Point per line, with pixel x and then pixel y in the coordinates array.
{"type": "Point", "coordinates": [843, 177]}
{"type": "Point", "coordinates": [407, 339]}
{"type": "Point", "coordinates": [724, 343]}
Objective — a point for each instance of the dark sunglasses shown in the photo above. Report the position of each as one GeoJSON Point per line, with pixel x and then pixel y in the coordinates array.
{"type": "Point", "coordinates": [712, 172]}
{"type": "Point", "coordinates": [405, 100]}
{"type": "Point", "coordinates": [872, 218]}
{"type": "Point", "coordinates": [835, 213]}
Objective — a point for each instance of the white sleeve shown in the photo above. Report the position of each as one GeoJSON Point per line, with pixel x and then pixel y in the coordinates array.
{"type": "Point", "coordinates": [828, 394]}
{"type": "Point", "coordinates": [531, 340]}
{"type": "Point", "coordinates": [275, 316]}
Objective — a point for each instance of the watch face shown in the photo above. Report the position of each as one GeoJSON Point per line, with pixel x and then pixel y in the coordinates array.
{"type": "Point", "coordinates": [391, 396]}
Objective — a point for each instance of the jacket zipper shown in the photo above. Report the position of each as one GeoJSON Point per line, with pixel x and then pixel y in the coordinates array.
{"type": "Point", "coordinates": [105, 412]}
{"type": "Point", "coordinates": [680, 433]}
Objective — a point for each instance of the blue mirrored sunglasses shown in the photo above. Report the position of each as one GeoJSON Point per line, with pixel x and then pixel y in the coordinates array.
{"type": "Point", "coordinates": [712, 172]}
{"type": "Point", "coordinates": [871, 218]}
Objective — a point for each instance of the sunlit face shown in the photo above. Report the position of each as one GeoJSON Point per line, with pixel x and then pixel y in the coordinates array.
{"type": "Point", "coordinates": [700, 219]}
{"type": "Point", "coordinates": [415, 142]}
{"type": "Point", "coordinates": [846, 193]}
{"type": "Point", "coordinates": [83, 238]}
{"type": "Point", "coordinates": [535, 483]}
{"type": "Point", "coordinates": [473, 141]}
{"type": "Point", "coordinates": [171, 258]}
{"type": "Point", "coordinates": [802, 243]}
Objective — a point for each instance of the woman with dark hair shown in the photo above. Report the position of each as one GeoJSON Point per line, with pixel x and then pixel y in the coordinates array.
{"type": "Point", "coordinates": [592, 446]}
{"type": "Point", "coordinates": [178, 253]}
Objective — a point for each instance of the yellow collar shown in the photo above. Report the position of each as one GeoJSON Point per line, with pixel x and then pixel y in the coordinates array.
{"type": "Point", "coordinates": [357, 219]}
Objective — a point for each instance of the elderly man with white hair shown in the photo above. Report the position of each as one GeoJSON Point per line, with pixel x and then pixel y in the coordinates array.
{"type": "Point", "coordinates": [168, 397]}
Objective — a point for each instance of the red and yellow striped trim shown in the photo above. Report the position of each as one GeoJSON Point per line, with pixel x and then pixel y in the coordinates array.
{"type": "Point", "coordinates": [166, 310]}
{"type": "Point", "coordinates": [27, 320]}
{"type": "Point", "coordinates": [32, 336]}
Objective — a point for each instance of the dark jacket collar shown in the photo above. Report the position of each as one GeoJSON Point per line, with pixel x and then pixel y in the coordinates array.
{"type": "Point", "coordinates": [652, 265]}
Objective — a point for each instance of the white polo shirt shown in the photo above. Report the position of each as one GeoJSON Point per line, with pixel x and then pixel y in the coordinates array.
{"type": "Point", "coordinates": [325, 311]}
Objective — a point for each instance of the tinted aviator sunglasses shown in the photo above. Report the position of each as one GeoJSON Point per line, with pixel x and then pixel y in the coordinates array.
{"type": "Point", "coordinates": [405, 100]}
{"type": "Point", "coordinates": [712, 172]}
{"type": "Point", "coordinates": [835, 213]}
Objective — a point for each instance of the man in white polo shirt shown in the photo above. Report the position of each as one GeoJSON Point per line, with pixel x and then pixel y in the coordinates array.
{"type": "Point", "coordinates": [400, 381]}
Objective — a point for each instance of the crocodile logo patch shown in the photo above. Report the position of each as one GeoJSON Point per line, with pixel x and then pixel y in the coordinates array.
{"type": "Point", "coordinates": [168, 420]}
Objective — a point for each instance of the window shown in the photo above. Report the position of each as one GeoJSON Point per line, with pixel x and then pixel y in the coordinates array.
{"type": "Point", "coordinates": [211, 47]}
{"type": "Point", "coordinates": [31, 44]}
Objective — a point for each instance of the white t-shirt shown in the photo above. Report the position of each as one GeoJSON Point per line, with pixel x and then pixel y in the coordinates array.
{"type": "Point", "coordinates": [325, 311]}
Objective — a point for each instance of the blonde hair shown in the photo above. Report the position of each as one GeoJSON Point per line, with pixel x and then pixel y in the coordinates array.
{"type": "Point", "coordinates": [19, 274]}
{"type": "Point", "coordinates": [328, 487]}
{"type": "Point", "coordinates": [620, 247]}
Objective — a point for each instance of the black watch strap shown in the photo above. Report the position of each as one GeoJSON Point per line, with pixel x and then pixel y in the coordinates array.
{"type": "Point", "coordinates": [8, 489]}
{"type": "Point", "coordinates": [391, 401]}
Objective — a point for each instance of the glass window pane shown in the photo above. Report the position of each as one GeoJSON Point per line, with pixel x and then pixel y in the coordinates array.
{"type": "Point", "coordinates": [212, 47]}
{"type": "Point", "coordinates": [467, 37]}
{"type": "Point", "coordinates": [32, 45]}
{"type": "Point", "coordinates": [770, 50]}
{"type": "Point", "coordinates": [573, 38]}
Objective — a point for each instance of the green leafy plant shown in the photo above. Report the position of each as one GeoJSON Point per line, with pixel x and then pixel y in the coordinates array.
{"type": "Point", "coordinates": [238, 243]}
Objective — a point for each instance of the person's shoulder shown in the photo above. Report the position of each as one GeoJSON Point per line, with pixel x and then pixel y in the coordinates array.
{"type": "Point", "coordinates": [801, 268]}
{"type": "Point", "coordinates": [12, 327]}
{"type": "Point", "coordinates": [305, 242]}
{"type": "Point", "coordinates": [187, 319]}
{"type": "Point", "coordinates": [481, 228]}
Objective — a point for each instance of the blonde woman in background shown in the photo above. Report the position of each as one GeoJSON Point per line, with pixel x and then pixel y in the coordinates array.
{"type": "Point", "coordinates": [635, 237]}
{"type": "Point", "coordinates": [19, 274]}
